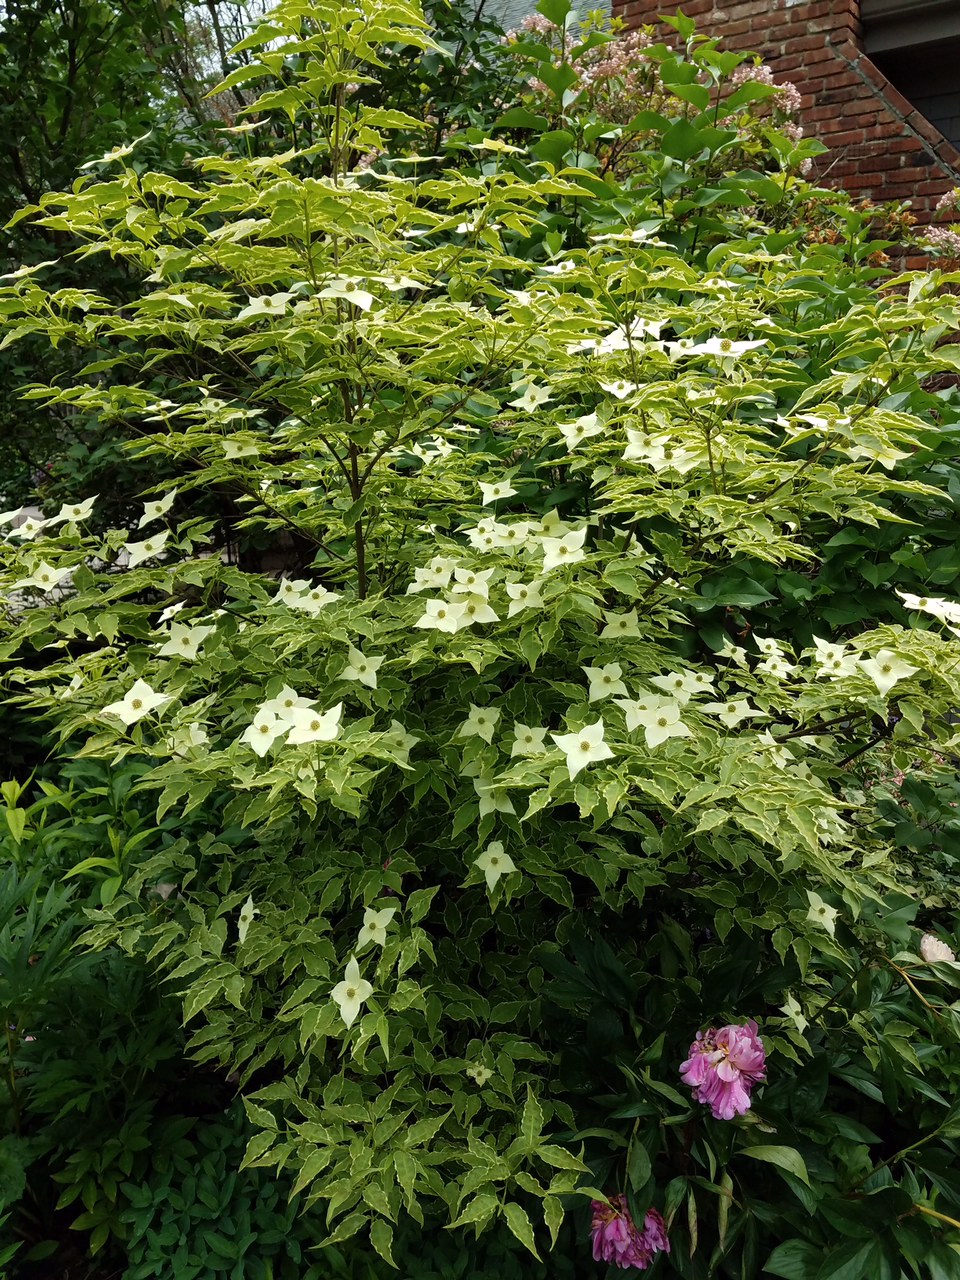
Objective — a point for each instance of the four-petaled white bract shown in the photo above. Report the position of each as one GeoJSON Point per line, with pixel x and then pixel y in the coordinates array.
{"type": "Point", "coordinates": [351, 993]}
{"type": "Point", "coordinates": [821, 913]}
{"type": "Point", "coordinates": [264, 730]}
{"type": "Point", "coordinates": [184, 641]}
{"type": "Point", "coordinates": [583, 747]}
{"type": "Point", "coordinates": [443, 615]}
{"type": "Point", "coordinates": [362, 669]}
{"type": "Point", "coordinates": [604, 682]}
{"type": "Point", "coordinates": [559, 552]}
{"type": "Point", "coordinates": [374, 928]}
{"type": "Point", "coordinates": [495, 491]}
{"type": "Point", "coordinates": [138, 702]}
{"type": "Point", "coordinates": [156, 508]}
{"type": "Point", "coordinates": [620, 624]}
{"type": "Point", "coordinates": [528, 740]}
{"type": "Point", "coordinates": [480, 723]}
{"type": "Point", "coordinates": [732, 712]}
{"type": "Point", "coordinates": [44, 577]}
{"type": "Point", "coordinates": [314, 726]}
{"type": "Point", "coordinates": [523, 595]}
{"type": "Point", "coordinates": [245, 920]}
{"type": "Point", "coordinates": [494, 863]}
{"type": "Point", "coordinates": [137, 552]}
{"type": "Point", "coordinates": [885, 669]}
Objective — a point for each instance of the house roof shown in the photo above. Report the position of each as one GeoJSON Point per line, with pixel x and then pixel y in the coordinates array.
{"type": "Point", "coordinates": [905, 24]}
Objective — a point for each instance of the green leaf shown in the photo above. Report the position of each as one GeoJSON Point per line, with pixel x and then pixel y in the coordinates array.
{"type": "Point", "coordinates": [553, 1216]}
{"type": "Point", "coordinates": [480, 1208]}
{"type": "Point", "coordinates": [787, 1158]}
{"type": "Point", "coordinates": [795, 1260]}
{"type": "Point", "coordinates": [555, 10]}
{"type": "Point", "coordinates": [381, 1237]}
{"type": "Point", "coordinates": [682, 140]}
{"type": "Point", "coordinates": [559, 1158]}
{"type": "Point", "coordinates": [519, 1224]}
{"type": "Point", "coordinates": [638, 1165]}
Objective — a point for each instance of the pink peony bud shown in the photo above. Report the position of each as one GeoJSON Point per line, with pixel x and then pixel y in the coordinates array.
{"type": "Point", "coordinates": [723, 1066]}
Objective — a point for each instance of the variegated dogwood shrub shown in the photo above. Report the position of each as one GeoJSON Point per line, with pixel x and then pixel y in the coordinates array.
{"type": "Point", "coordinates": [548, 788]}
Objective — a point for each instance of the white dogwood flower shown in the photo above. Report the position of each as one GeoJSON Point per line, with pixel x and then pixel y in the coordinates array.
{"type": "Point", "coordinates": [528, 741]}
{"type": "Point", "coordinates": [74, 511]}
{"type": "Point", "coordinates": [732, 712]}
{"type": "Point", "coordinates": [492, 799]}
{"type": "Point", "coordinates": [605, 681]}
{"type": "Point", "coordinates": [580, 429]}
{"type": "Point", "coordinates": [155, 508]}
{"type": "Point", "coordinates": [264, 730]}
{"type": "Point", "coordinates": [619, 625]}
{"type": "Point", "coordinates": [620, 389]}
{"type": "Point", "coordinates": [442, 615]}
{"type": "Point", "coordinates": [495, 491]}
{"type": "Point", "coordinates": [511, 536]}
{"type": "Point", "coordinates": [725, 348]}
{"type": "Point", "coordinates": [44, 577]}
{"type": "Point", "coordinates": [184, 641]}
{"type": "Point", "coordinates": [285, 703]}
{"type": "Point", "coordinates": [563, 551]}
{"type": "Point", "coordinates": [945, 610]}
{"type": "Point", "coordinates": [245, 919]}
{"type": "Point", "coordinates": [472, 582]}
{"type": "Point", "coordinates": [494, 863]}
{"type": "Point", "coordinates": [314, 726]}
{"type": "Point", "coordinates": [361, 668]}
{"type": "Point", "coordinates": [834, 660]}
{"type": "Point", "coordinates": [347, 289]}
{"type": "Point", "coordinates": [659, 722]}
{"type": "Point", "coordinates": [238, 447]}
{"type": "Point", "coordinates": [480, 723]}
{"type": "Point", "coordinates": [683, 685]}
{"type": "Point", "coordinates": [138, 702]}
{"type": "Point", "coordinates": [821, 913]}
{"type": "Point", "coordinates": [532, 398]}
{"type": "Point", "coordinates": [374, 927]}
{"type": "Point", "coordinates": [29, 529]}
{"type": "Point", "coordinates": [434, 577]}
{"type": "Point", "coordinates": [476, 608]}
{"type": "Point", "coordinates": [583, 746]}
{"type": "Point", "coordinates": [312, 600]}
{"type": "Point", "coordinates": [351, 993]}
{"type": "Point", "coordinates": [270, 304]}
{"type": "Point", "coordinates": [523, 595]}
{"type": "Point", "coordinates": [137, 552]}
{"type": "Point", "coordinates": [885, 669]}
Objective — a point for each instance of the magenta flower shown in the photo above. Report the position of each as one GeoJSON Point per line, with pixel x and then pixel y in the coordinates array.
{"type": "Point", "coordinates": [617, 1240]}
{"type": "Point", "coordinates": [723, 1067]}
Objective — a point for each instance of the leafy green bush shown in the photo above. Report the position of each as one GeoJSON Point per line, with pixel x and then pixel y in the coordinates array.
{"type": "Point", "coordinates": [553, 754]}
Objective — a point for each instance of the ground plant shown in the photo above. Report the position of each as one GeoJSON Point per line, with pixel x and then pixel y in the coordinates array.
{"type": "Point", "coordinates": [549, 845]}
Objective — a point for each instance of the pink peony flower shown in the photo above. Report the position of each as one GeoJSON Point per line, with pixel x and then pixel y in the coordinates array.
{"type": "Point", "coordinates": [723, 1067]}
{"type": "Point", "coordinates": [617, 1240]}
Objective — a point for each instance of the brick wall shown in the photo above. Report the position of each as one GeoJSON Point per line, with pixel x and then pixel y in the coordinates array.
{"type": "Point", "coordinates": [880, 146]}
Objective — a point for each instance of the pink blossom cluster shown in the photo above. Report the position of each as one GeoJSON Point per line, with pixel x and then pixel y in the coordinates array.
{"type": "Point", "coordinates": [617, 1239]}
{"type": "Point", "coordinates": [949, 200]}
{"type": "Point", "coordinates": [788, 95]}
{"type": "Point", "coordinates": [942, 238]}
{"type": "Point", "coordinates": [723, 1066]}
{"type": "Point", "coordinates": [532, 24]}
